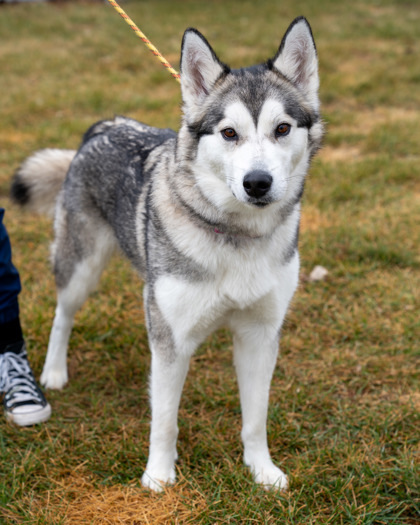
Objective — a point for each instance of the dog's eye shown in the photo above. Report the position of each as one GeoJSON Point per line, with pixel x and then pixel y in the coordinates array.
{"type": "Point", "coordinates": [283, 129]}
{"type": "Point", "coordinates": [229, 134]}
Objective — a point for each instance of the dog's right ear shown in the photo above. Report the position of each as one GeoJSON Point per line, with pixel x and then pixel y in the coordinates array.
{"type": "Point", "coordinates": [200, 68]}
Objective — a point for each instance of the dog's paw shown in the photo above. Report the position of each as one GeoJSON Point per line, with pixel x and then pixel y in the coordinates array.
{"type": "Point", "coordinates": [53, 379]}
{"type": "Point", "coordinates": [271, 477]}
{"type": "Point", "coordinates": [156, 481]}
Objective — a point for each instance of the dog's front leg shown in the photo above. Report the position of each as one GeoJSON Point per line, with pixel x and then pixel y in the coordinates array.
{"type": "Point", "coordinates": [255, 352]}
{"type": "Point", "coordinates": [167, 380]}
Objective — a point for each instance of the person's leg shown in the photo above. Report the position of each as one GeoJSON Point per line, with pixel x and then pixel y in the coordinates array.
{"type": "Point", "coordinates": [10, 288]}
{"type": "Point", "coordinates": [24, 402]}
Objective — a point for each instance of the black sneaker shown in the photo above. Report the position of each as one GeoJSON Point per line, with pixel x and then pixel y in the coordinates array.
{"type": "Point", "coordinates": [24, 403]}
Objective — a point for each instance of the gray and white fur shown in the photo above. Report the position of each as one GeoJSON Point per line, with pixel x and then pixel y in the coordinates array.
{"type": "Point", "coordinates": [209, 217]}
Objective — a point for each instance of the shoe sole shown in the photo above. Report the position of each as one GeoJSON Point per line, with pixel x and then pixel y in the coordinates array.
{"type": "Point", "coordinates": [31, 418]}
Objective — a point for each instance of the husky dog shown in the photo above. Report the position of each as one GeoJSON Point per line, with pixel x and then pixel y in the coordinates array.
{"type": "Point", "coordinates": [209, 217]}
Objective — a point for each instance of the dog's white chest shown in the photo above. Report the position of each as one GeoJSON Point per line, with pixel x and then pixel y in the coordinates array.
{"type": "Point", "coordinates": [194, 309]}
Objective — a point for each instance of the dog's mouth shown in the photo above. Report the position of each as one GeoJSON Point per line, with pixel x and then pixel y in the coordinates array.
{"type": "Point", "coordinates": [258, 203]}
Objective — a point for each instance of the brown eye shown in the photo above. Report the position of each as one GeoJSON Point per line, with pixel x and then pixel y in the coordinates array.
{"type": "Point", "coordinates": [283, 129]}
{"type": "Point", "coordinates": [229, 134]}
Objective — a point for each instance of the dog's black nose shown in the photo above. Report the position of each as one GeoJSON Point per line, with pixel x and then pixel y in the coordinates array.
{"type": "Point", "coordinates": [257, 183]}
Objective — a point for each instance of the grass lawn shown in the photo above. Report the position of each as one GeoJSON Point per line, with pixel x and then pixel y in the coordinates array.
{"type": "Point", "coordinates": [344, 414]}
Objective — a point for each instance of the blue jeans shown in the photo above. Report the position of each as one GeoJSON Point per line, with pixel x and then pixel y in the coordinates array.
{"type": "Point", "coordinates": [9, 278]}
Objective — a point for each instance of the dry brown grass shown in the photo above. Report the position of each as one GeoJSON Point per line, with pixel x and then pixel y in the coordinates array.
{"type": "Point", "coordinates": [77, 499]}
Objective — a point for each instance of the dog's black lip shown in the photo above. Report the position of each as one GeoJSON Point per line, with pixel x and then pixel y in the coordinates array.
{"type": "Point", "coordinates": [258, 204]}
{"type": "Point", "coordinates": [261, 204]}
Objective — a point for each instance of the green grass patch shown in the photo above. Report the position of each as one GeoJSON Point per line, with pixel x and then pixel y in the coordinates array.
{"type": "Point", "coordinates": [344, 413]}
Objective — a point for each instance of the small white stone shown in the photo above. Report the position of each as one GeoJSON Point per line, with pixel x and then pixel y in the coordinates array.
{"type": "Point", "coordinates": [318, 274]}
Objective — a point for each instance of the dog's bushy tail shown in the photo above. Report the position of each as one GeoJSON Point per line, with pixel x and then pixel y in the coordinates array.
{"type": "Point", "coordinates": [38, 181]}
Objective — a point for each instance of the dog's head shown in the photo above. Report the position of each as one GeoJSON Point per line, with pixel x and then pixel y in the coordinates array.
{"type": "Point", "coordinates": [255, 129]}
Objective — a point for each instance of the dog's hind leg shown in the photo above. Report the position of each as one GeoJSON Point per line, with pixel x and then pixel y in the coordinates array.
{"type": "Point", "coordinates": [77, 271]}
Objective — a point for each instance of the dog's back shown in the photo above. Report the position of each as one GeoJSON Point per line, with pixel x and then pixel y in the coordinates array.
{"type": "Point", "coordinates": [103, 180]}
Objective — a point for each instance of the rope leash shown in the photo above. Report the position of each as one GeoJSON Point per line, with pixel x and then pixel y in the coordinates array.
{"type": "Point", "coordinates": [145, 40]}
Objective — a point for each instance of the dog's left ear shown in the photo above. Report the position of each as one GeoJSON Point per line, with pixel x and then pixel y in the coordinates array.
{"type": "Point", "coordinates": [200, 68]}
{"type": "Point", "coordinates": [297, 59]}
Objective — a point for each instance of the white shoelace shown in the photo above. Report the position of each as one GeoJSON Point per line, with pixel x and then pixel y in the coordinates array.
{"type": "Point", "coordinates": [17, 381]}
